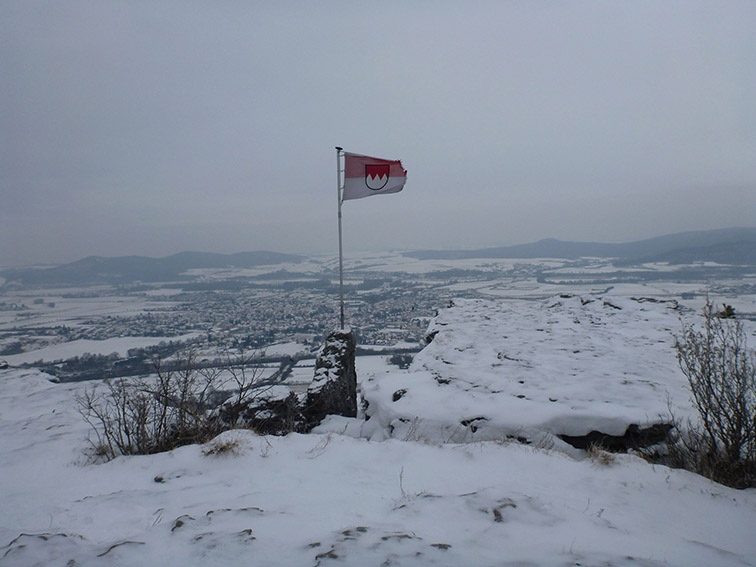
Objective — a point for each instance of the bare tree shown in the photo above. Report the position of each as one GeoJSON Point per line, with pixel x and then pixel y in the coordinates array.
{"type": "Point", "coordinates": [721, 372]}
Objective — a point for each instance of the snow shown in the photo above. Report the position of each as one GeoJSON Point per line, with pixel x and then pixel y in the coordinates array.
{"type": "Point", "coordinates": [391, 347]}
{"type": "Point", "coordinates": [294, 268]}
{"type": "Point", "coordinates": [397, 262]}
{"type": "Point", "coordinates": [336, 497]}
{"type": "Point", "coordinates": [302, 372]}
{"type": "Point", "coordinates": [163, 291]}
{"type": "Point", "coordinates": [287, 349]}
{"type": "Point", "coordinates": [64, 351]}
{"type": "Point", "coordinates": [565, 366]}
{"type": "Point", "coordinates": [72, 311]}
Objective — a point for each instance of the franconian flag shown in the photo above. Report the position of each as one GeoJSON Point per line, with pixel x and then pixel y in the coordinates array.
{"type": "Point", "coordinates": [365, 176]}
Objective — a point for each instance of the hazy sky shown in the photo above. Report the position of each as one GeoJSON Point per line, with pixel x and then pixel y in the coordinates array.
{"type": "Point", "coordinates": [152, 127]}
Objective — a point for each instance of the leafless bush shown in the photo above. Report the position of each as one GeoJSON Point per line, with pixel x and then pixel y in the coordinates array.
{"type": "Point", "coordinates": [721, 372]}
{"type": "Point", "coordinates": [151, 415]}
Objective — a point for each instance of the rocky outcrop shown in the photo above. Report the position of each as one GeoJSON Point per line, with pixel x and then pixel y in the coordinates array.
{"type": "Point", "coordinates": [276, 410]}
{"type": "Point", "coordinates": [334, 387]}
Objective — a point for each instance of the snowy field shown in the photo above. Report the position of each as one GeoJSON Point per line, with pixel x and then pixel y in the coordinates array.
{"type": "Point", "coordinates": [71, 311]}
{"type": "Point", "coordinates": [304, 267]}
{"type": "Point", "coordinates": [70, 349]}
{"type": "Point", "coordinates": [412, 486]}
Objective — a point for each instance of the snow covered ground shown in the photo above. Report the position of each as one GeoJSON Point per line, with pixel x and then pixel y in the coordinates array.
{"type": "Point", "coordinates": [290, 348]}
{"type": "Point", "coordinates": [344, 497]}
{"type": "Point", "coordinates": [70, 311]}
{"type": "Point", "coordinates": [64, 351]}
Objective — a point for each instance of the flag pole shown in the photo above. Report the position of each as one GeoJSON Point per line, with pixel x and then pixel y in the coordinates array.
{"type": "Point", "coordinates": [341, 254]}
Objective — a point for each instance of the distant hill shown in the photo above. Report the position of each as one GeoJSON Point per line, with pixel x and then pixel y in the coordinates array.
{"type": "Point", "coordinates": [741, 253]}
{"type": "Point", "coordinates": [725, 246]}
{"type": "Point", "coordinates": [96, 269]}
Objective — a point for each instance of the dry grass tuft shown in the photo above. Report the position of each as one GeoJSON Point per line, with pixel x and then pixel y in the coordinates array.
{"type": "Point", "coordinates": [598, 455]}
{"type": "Point", "coordinates": [221, 446]}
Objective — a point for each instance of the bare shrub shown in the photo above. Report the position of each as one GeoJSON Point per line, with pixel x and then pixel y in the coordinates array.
{"type": "Point", "coordinates": [721, 372]}
{"type": "Point", "coordinates": [150, 415]}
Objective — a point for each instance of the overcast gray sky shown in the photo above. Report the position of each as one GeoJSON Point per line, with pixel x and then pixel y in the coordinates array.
{"type": "Point", "coordinates": [153, 127]}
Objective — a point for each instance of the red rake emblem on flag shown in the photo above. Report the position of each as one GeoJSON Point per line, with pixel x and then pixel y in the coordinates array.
{"type": "Point", "coordinates": [376, 175]}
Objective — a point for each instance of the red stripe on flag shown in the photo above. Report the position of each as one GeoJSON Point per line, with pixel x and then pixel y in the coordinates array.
{"type": "Point", "coordinates": [354, 165]}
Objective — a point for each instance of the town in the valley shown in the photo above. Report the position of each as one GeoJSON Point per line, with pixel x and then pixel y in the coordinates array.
{"type": "Point", "coordinates": [280, 316]}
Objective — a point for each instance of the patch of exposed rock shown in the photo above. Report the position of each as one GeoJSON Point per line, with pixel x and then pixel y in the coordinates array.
{"type": "Point", "coordinates": [633, 438]}
{"type": "Point", "coordinates": [334, 388]}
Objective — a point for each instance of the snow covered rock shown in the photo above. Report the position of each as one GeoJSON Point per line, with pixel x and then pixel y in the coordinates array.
{"type": "Point", "coordinates": [334, 387]}
{"type": "Point", "coordinates": [273, 410]}
{"type": "Point", "coordinates": [565, 368]}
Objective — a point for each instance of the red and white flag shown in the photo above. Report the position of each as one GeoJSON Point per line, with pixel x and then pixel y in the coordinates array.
{"type": "Point", "coordinates": [365, 176]}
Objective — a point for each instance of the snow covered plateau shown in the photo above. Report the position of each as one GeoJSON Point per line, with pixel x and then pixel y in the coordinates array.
{"type": "Point", "coordinates": [456, 461]}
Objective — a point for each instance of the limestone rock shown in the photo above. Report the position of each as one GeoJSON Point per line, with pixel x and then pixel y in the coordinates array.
{"type": "Point", "coordinates": [334, 387]}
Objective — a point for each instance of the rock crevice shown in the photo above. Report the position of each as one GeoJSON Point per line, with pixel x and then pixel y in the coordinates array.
{"type": "Point", "coordinates": [633, 438]}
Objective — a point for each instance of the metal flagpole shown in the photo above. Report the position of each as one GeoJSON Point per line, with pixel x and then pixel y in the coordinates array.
{"type": "Point", "coordinates": [341, 254]}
